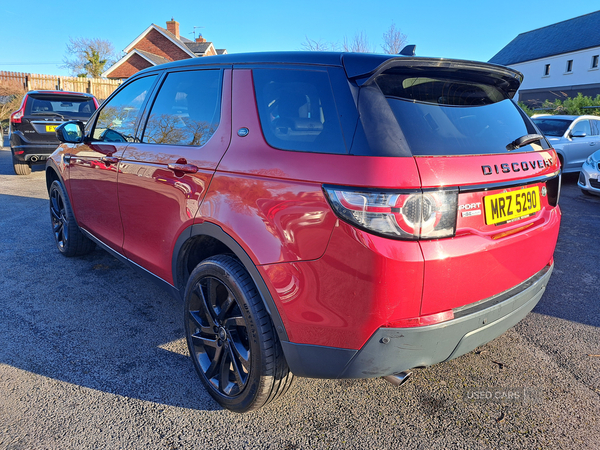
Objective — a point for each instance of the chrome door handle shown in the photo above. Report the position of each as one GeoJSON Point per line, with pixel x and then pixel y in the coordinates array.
{"type": "Point", "coordinates": [109, 160]}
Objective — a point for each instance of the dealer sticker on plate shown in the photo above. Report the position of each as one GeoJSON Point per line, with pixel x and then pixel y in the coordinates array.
{"type": "Point", "coordinates": [510, 206]}
{"type": "Point", "coordinates": [50, 128]}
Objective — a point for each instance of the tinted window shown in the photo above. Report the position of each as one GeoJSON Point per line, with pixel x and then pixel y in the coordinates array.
{"type": "Point", "coordinates": [595, 127]}
{"type": "Point", "coordinates": [75, 107]}
{"type": "Point", "coordinates": [297, 110]}
{"type": "Point", "coordinates": [118, 117]}
{"type": "Point", "coordinates": [186, 110]}
{"type": "Point", "coordinates": [452, 114]}
{"type": "Point", "coordinates": [552, 127]}
{"type": "Point", "coordinates": [583, 126]}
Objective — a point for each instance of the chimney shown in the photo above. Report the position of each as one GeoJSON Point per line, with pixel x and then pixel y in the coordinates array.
{"type": "Point", "coordinates": [200, 39]}
{"type": "Point", "coordinates": [173, 27]}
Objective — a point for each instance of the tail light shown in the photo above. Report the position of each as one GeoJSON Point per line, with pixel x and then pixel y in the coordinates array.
{"type": "Point", "coordinates": [408, 214]}
{"type": "Point", "coordinates": [18, 115]}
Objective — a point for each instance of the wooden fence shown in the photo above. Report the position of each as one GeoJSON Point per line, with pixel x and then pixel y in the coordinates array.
{"type": "Point", "coordinates": [101, 88]}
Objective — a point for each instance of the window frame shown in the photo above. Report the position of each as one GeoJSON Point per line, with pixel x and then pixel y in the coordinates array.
{"type": "Point", "coordinates": [569, 68]}
{"type": "Point", "coordinates": [595, 62]}
{"type": "Point", "coordinates": [546, 70]}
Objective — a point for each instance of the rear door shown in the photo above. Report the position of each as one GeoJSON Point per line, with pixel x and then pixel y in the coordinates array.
{"type": "Point", "coordinates": [94, 165]}
{"type": "Point", "coordinates": [164, 177]}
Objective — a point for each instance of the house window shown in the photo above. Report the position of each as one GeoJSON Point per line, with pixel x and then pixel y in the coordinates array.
{"type": "Point", "coordinates": [547, 70]}
{"type": "Point", "coordinates": [595, 62]}
{"type": "Point", "coordinates": [569, 66]}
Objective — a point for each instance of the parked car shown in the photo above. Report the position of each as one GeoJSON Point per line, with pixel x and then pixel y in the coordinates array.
{"type": "Point", "coordinates": [573, 137]}
{"type": "Point", "coordinates": [32, 127]}
{"type": "Point", "coordinates": [589, 177]}
{"type": "Point", "coordinates": [328, 215]}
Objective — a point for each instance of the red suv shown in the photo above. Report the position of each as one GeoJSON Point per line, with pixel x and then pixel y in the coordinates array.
{"type": "Point", "coordinates": [330, 215]}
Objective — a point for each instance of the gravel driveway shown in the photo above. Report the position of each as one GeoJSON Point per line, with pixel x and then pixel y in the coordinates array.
{"type": "Point", "coordinates": [93, 356]}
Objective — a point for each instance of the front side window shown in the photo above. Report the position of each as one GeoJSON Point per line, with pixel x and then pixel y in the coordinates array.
{"type": "Point", "coordinates": [186, 110]}
{"type": "Point", "coordinates": [297, 110]}
{"type": "Point", "coordinates": [583, 126]}
{"type": "Point", "coordinates": [118, 118]}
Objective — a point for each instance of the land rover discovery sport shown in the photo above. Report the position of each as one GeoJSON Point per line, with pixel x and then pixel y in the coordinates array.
{"type": "Point", "coordinates": [328, 215]}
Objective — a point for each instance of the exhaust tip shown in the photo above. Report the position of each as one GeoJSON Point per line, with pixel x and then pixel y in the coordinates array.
{"type": "Point", "coordinates": [33, 158]}
{"type": "Point", "coordinates": [398, 379]}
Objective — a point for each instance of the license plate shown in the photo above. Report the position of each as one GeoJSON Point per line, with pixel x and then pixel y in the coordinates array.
{"type": "Point", "coordinates": [51, 128]}
{"type": "Point", "coordinates": [510, 206]}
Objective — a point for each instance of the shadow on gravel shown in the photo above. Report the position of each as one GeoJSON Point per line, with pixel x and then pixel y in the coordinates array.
{"type": "Point", "coordinates": [572, 293]}
{"type": "Point", "coordinates": [89, 321]}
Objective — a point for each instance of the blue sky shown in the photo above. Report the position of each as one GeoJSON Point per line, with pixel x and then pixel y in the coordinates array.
{"type": "Point", "coordinates": [33, 39]}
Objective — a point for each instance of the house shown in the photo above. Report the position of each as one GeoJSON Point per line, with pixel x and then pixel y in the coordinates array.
{"type": "Point", "coordinates": [157, 45]}
{"type": "Point", "coordinates": [558, 61]}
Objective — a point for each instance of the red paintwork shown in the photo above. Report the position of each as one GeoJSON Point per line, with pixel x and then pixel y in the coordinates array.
{"type": "Point", "coordinates": [161, 202]}
{"type": "Point", "coordinates": [361, 283]}
{"type": "Point", "coordinates": [467, 170]}
{"type": "Point", "coordinates": [94, 191]}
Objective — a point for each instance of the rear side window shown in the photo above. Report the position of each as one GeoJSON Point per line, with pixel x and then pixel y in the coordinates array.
{"type": "Point", "coordinates": [297, 110]}
{"type": "Point", "coordinates": [75, 107]}
{"type": "Point", "coordinates": [453, 113]}
{"type": "Point", "coordinates": [186, 110]}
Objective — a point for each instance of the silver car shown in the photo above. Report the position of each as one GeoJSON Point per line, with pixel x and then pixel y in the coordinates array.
{"type": "Point", "coordinates": [589, 177]}
{"type": "Point", "coordinates": [573, 137]}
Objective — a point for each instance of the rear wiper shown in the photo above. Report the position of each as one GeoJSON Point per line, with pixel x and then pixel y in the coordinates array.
{"type": "Point", "coordinates": [523, 141]}
{"type": "Point", "coordinates": [48, 113]}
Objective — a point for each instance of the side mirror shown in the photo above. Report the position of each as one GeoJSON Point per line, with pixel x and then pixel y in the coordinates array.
{"type": "Point", "coordinates": [577, 134]}
{"type": "Point", "coordinates": [70, 132]}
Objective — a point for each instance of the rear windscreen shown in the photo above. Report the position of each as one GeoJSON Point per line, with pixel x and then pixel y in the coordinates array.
{"type": "Point", "coordinates": [65, 106]}
{"type": "Point", "coordinates": [453, 114]}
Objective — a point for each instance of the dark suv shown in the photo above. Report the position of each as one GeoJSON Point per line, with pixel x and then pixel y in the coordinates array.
{"type": "Point", "coordinates": [32, 135]}
{"type": "Point", "coordinates": [330, 215]}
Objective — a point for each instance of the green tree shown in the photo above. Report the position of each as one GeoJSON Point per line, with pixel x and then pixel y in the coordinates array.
{"type": "Point", "coordinates": [88, 57]}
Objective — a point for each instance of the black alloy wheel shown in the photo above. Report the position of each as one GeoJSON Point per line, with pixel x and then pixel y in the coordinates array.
{"type": "Point", "coordinates": [219, 336]}
{"type": "Point", "coordinates": [231, 338]}
{"type": "Point", "coordinates": [69, 239]}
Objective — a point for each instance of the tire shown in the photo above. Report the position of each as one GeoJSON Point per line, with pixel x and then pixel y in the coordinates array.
{"type": "Point", "coordinates": [21, 167]}
{"type": "Point", "coordinates": [69, 239]}
{"type": "Point", "coordinates": [231, 338]}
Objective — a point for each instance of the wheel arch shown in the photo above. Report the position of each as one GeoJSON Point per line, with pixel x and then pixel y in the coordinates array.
{"type": "Point", "coordinates": [201, 241]}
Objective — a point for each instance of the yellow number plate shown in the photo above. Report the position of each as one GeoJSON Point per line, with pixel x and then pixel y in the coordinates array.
{"type": "Point", "coordinates": [51, 128]}
{"type": "Point", "coordinates": [511, 206]}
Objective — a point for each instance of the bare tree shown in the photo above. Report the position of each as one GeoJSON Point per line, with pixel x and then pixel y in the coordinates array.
{"type": "Point", "coordinates": [393, 40]}
{"type": "Point", "coordinates": [313, 45]}
{"type": "Point", "coordinates": [358, 44]}
{"type": "Point", "coordinates": [88, 57]}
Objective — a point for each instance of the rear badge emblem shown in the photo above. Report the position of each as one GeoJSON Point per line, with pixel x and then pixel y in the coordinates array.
{"type": "Point", "coordinates": [476, 212]}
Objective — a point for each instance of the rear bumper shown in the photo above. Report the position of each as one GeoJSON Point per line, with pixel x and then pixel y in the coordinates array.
{"type": "Point", "coordinates": [393, 350]}
{"type": "Point", "coordinates": [24, 150]}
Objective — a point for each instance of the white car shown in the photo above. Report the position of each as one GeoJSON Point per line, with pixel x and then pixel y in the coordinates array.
{"type": "Point", "coordinates": [589, 177]}
{"type": "Point", "coordinates": [573, 137]}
